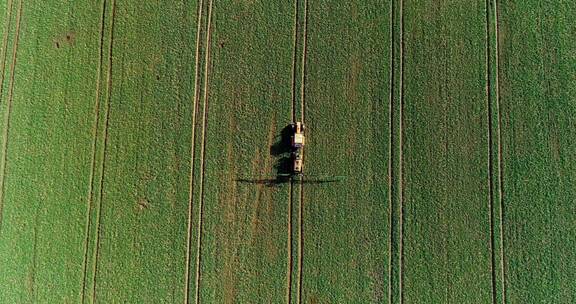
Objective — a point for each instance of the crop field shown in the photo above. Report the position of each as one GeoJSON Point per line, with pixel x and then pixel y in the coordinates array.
{"type": "Point", "coordinates": [144, 147]}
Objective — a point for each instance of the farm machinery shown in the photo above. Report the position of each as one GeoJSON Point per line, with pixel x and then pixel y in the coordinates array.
{"type": "Point", "coordinates": [290, 169]}
{"type": "Point", "coordinates": [297, 143]}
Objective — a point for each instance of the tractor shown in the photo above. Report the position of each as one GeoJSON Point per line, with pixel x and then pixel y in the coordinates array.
{"type": "Point", "coordinates": [297, 141]}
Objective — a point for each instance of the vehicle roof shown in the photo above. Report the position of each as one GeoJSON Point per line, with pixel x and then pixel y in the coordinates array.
{"type": "Point", "coordinates": [298, 138]}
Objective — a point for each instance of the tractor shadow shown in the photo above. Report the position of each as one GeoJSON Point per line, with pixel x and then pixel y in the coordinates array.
{"type": "Point", "coordinates": [283, 169]}
{"type": "Point", "coordinates": [282, 146]}
{"type": "Point", "coordinates": [281, 150]}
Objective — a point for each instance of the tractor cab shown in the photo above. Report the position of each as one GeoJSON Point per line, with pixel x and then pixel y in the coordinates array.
{"type": "Point", "coordinates": [298, 136]}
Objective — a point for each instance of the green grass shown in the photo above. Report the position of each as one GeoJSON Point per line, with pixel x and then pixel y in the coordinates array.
{"type": "Point", "coordinates": [537, 108]}
{"type": "Point", "coordinates": [244, 236]}
{"type": "Point", "coordinates": [46, 181]}
{"type": "Point", "coordinates": [141, 225]}
{"type": "Point", "coordinates": [447, 256]}
{"type": "Point", "coordinates": [134, 138]}
{"type": "Point", "coordinates": [347, 88]}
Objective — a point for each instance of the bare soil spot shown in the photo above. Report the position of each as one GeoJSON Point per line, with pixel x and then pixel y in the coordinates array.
{"type": "Point", "coordinates": [66, 39]}
{"type": "Point", "coordinates": [142, 204]}
{"type": "Point", "coordinates": [314, 299]}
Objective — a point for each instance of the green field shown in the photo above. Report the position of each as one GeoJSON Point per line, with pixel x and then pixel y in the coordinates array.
{"type": "Point", "coordinates": [140, 143]}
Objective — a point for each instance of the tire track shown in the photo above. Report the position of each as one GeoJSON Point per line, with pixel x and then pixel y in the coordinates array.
{"type": "Point", "coordinates": [94, 144]}
{"type": "Point", "coordinates": [494, 141]}
{"type": "Point", "coordinates": [300, 242]}
{"type": "Point", "coordinates": [295, 52]}
{"type": "Point", "coordinates": [104, 151]}
{"type": "Point", "coordinates": [500, 162]}
{"type": "Point", "coordinates": [303, 78]}
{"type": "Point", "coordinates": [490, 158]}
{"type": "Point", "coordinates": [395, 188]}
{"type": "Point", "coordinates": [2, 78]}
{"type": "Point", "coordinates": [8, 113]}
{"type": "Point", "coordinates": [203, 149]}
{"type": "Point", "coordinates": [401, 152]}
{"type": "Point", "coordinates": [390, 151]}
{"type": "Point", "coordinates": [192, 150]}
{"type": "Point", "coordinates": [289, 248]}
{"type": "Point", "coordinates": [4, 54]}
{"type": "Point", "coordinates": [32, 282]}
{"type": "Point", "coordinates": [290, 263]}
{"type": "Point", "coordinates": [301, 185]}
